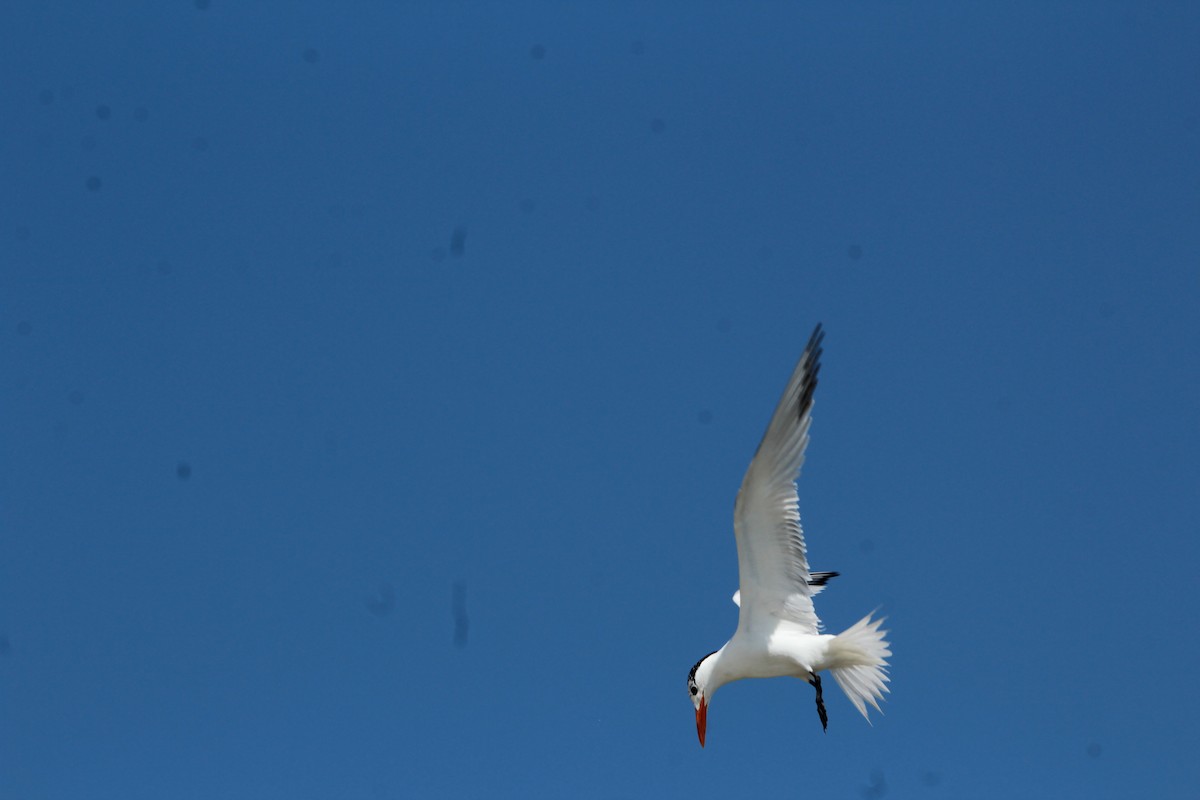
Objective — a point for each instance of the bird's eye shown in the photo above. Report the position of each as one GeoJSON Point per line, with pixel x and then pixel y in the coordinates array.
{"type": "Point", "coordinates": [693, 688]}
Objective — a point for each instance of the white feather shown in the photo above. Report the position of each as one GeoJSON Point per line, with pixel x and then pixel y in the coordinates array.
{"type": "Point", "coordinates": [772, 565]}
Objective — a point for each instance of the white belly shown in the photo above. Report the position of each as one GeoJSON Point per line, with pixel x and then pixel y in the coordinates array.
{"type": "Point", "coordinates": [781, 651]}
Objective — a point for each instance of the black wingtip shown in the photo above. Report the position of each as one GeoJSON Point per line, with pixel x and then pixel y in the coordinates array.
{"type": "Point", "coordinates": [812, 356]}
{"type": "Point", "coordinates": [821, 578]}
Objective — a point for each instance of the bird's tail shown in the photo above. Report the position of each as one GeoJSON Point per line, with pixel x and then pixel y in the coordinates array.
{"type": "Point", "coordinates": [858, 660]}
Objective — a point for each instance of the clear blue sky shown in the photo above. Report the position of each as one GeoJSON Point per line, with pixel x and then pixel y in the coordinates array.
{"type": "Point", "coordinates": [311, 313]}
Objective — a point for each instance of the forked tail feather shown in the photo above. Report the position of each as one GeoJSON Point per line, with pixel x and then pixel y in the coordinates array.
{"type": "Point", "coordinates": [858, 661]}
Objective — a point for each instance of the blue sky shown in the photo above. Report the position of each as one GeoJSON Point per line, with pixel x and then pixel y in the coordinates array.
{"type": "Point", "coordinates": [323, 325]}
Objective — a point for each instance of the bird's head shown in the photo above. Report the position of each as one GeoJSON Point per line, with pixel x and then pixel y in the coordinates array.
{"type": "Point", "coordinates": [698, 688]}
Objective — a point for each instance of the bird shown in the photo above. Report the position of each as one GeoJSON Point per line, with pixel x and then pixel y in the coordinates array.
{"type": "Point", "coordinates": [778, 632]}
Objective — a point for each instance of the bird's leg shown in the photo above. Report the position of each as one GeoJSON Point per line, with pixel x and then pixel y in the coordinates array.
{"type": "Point", "coordinates": [816, 682]}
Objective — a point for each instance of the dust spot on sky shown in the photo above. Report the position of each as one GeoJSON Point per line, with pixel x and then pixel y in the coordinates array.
{"type": "Point", "coordinates": [855, 252]}
{"type": "Point", "coordinates": [657, 125]}
{"type": "Point", "coordinates": [75, 397]}
{"type": "Point", "coordinates": [458, 242]}
{"type": "Point", "coordinates": [202, 5]}
{"type": "Point", "coordinates": [704, 417]}
{"type": "Point", "coordinates": [931, 778]}
{"type": "Point", "coordinates": [200, 144]}
{"type": "Point", "coordinates": [458, 607]}
{"type": "Point", "coordinates": [381, 601]}
{"type": "Point", "coordinates": [103, 112]}
{"type": "Point", "coordinates": [877, 788]}
{"type": "Point", "coordinates": [24, 328]}
{"type": "Point", "coordinates": [93, 184]}
{"type": "Point", "coordinates": [5, 645]}
{"type": "Point", "coordinates": [537, 52]}
{"type": "Point", "coordinates": [867, 546]}
{"type": "Point", "coordinates": [1094, 750]}
{"type": "Point", "coordinates": [311, 55]}
{"type": "Point", "coordinates": [183, 470]}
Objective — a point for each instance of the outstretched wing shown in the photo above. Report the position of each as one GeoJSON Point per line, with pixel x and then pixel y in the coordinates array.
{"type": "Point", "coordinates": [772, 566]}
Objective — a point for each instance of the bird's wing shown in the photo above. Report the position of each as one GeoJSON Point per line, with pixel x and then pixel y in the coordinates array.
{"type": "Point", "coordinates": [772, 566]}
{"type": "Point", "coordinates": [816, 582]}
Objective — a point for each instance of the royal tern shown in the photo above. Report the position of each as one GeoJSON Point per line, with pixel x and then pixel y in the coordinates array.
{"type": "Point", "coordinates": [778, 631]}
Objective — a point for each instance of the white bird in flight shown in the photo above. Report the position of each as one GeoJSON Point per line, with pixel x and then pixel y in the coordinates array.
{"type": "Point", "coordinates": [778, 631]}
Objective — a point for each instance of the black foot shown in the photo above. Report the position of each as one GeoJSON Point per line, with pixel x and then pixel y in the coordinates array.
{"type": "Point", "coordinates": [816, 682]}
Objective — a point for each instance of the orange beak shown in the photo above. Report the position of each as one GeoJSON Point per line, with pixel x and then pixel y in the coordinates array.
{"type": "Point", "coordinates": [702, 719]}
